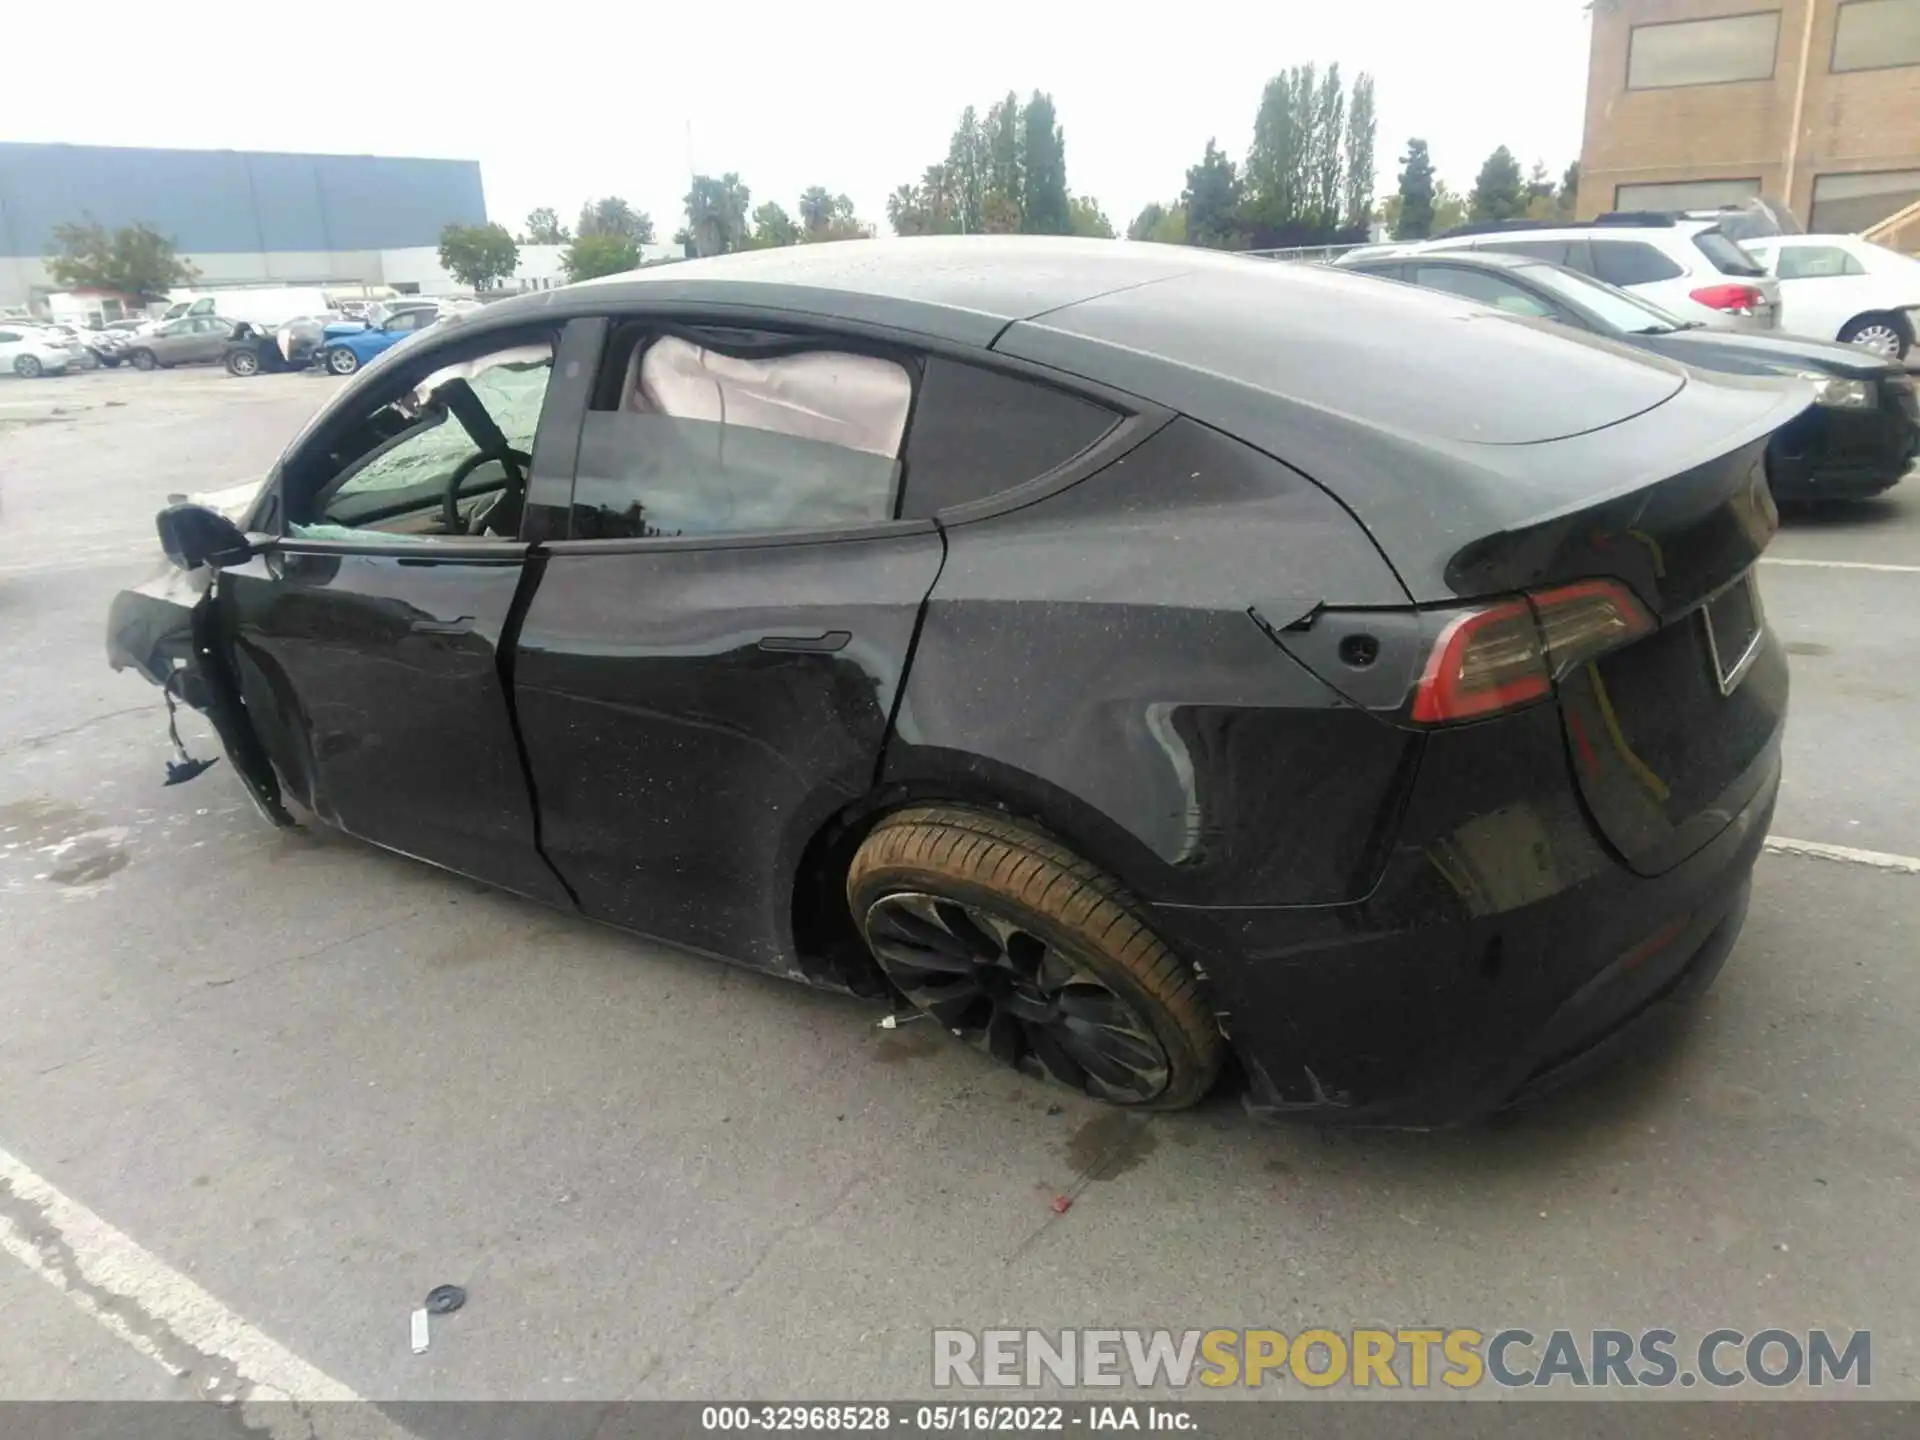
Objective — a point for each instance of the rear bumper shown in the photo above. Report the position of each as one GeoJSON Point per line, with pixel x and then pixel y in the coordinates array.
{"type": "Point", "coordinates": [1499, 957]}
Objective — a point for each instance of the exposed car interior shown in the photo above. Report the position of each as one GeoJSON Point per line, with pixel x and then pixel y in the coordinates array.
{"type": "Point", "coordinates": [447, 459]}
{"type": "Point", "coordinates": [703, 432]}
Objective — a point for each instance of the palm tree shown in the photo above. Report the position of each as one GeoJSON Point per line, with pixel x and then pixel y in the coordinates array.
{"type": "Point", "coordinates": [717, 213]}
{"type": "Point", "coordinates": [816, 209]}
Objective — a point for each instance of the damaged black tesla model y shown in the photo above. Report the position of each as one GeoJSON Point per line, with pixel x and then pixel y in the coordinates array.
{"type": "Point", "coordinates": [1127, 654]}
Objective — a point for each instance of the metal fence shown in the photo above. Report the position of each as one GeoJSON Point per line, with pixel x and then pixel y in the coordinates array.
{"type": "Point", "coordinates": [1316, 254]}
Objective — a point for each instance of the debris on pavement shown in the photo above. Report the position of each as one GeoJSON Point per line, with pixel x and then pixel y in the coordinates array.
{"type": "Point", "coordinates": [1062, 1204]}
{"type": "Point", "coordinates": [420, 1332]}
{"type": "Point", "coordinates": [445, 1299]}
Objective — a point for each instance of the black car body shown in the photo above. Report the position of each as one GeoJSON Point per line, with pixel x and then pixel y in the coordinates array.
{"type": "Point", "coordinates": [263, 350]}
{"type": "Point", "coordinates": [1415, 741]}
{"type": "Point", "coordinates": [1859, 438]}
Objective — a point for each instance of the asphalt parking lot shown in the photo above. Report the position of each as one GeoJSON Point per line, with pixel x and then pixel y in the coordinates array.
{"type": "Point", "coordinates": [259, 1092]}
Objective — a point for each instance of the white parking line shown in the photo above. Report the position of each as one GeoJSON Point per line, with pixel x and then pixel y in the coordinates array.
{"type": "Point", "coordinates": [1879, 859]}
{"type": "Point", "coordinates": [160, 1312]}
{"type": "Point", "coordinates": [1841, 565]}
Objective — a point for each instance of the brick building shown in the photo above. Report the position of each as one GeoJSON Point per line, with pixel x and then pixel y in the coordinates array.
{"type": "Point", "coordinates": [1694, 103]}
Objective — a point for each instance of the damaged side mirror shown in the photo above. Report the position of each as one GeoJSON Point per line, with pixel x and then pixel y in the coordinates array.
{"type": "Point", "coordinates": [193, 535]}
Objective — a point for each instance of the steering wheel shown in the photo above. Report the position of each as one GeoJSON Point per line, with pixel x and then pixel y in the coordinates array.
{"type": "Point", "coordinates": [515, 462]}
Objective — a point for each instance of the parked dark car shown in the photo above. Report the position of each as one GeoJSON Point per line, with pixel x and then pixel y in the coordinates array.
{"type": "Point", "coordinates": [1113, 650]}
{"type": "Point", "coordinates": [256, 349]}
{"type": "Point", "coordinates": [1860, 437]}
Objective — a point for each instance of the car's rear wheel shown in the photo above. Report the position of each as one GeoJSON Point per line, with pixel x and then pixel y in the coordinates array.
{"type": "Point", "coordinates": [143, 360]}
{"type": "Point", "coordinates": [1886, 335]}
{"type": "Point", "coordinates": [342, 361]}
{"type": "Point", "coordinates": [1031, 954]}
{"type": "Point", "coordinates": [242, 362]}
{"type": "Point", "coordinates": [27, 367]}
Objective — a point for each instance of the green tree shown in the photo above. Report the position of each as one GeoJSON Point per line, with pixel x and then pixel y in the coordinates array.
{"type": "Point", "coordinates": [1309, 171]}
{"type": "Point", "coordinates": [1498, 193]}
{"type": "Point", "coordinates": [717, 210]}
{"type": "Point", "coordinates": [1089, 219]}
{"type": "Point", "coordinates": [1567, 202]}
{"type": "Point", "coordinates": [1044, 206]}
{"type": "Point", "coordinates": [1449, 208]}
{"type": "Point", "coordinates": [773, 227]}
{"type": "Point", "coordinates": [1002, 208]}
{"type": "Point", "coordinates": [614, 216]}
{"type": "Point", "coordinates": [1151, 214]}
{"type": "Point", "coordinates": [134, 260]}
{"type": "Point", "coordinates": [478, 255]}
{"type": "Point", "coordinates": [1170, 228]}
{"type": "Point", "coordinates": [1276, 180]}
{"type": "Point", "coordinates": [604, 253]}
{"type": "Point", "coordinates": [544, 228]}
{"type": "Point", "coordinates": [1540, 194]}
{"type": "Point", "coordinates": [966, 171]}
{"type": "Point", "coordinates": [930, 208]}
{"type": "Point", "coordinates": [826, 216]}
{"type": "Point", "coordinates": [1362, 125]}
{"type": "Point", "coordinates": [1329, 130]}
{"type": "Point", "coordinates": [816, 209]}
{"type": "Point", "coordinates": [1414, 219]}
{"type": "Point", "coordinates": [1212, 201]}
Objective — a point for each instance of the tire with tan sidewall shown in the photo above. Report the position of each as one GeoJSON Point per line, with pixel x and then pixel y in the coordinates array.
{"type": "Point", "coordinates": [981, 858]}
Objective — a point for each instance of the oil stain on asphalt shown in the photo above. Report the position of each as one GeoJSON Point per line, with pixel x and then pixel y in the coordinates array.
{"type": "Point", "coordinates": [1110, 1144]}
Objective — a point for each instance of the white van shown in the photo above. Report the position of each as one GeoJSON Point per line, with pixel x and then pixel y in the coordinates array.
{"type": "Point", "coordinates": [267, 307]}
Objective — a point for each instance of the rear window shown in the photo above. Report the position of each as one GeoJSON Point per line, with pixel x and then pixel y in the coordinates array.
{"type": "Point", "coordinates": [1631, 262]}
{"type": "Point", "coordinates": [1727, 257]}
{"type": "Point", "coordinates": [1816, 262]}
{"type": "Point", "coordinates": [977, 432]}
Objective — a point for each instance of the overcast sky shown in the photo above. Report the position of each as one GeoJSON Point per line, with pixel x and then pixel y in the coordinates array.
{"type": "Point", "coordinates": [859, 97]}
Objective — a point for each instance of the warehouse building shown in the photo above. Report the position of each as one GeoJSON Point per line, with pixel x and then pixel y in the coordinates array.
{"type": "Point", "coordinates": [241, 217]}
{"type": "Point", "coordinates": [1700, 103]}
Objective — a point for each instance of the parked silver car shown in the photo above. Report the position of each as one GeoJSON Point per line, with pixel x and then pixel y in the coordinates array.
{"type": "Point", "coordinates": [189, 340]}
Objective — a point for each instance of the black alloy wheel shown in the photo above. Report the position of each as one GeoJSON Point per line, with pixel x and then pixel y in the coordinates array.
{"type": "Point", "coordinates": [1005, 990]}
{"type": "Point", "coordinates": [1029, 953]}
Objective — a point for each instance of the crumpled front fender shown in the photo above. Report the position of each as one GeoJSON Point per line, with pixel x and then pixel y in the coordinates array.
{"type": "Point", "coordinates": [168, 630]}
{"type": "Point", "coordinates": [150, 629]}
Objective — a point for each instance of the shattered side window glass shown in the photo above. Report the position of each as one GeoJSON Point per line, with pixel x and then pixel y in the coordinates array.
{"type": "Point", "coordinates": [512, 386]}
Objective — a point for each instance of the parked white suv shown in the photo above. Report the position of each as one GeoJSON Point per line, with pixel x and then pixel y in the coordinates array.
{"type": "Point", "coordinates": [1840, 287]}
{"type": "Point", "coordinates": [1687, 267]}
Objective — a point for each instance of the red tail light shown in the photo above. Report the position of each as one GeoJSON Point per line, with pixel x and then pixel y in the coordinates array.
{"type": "Point", "coordinates": [1736, 299]}
{"type": "Point", "coordinates": [1503, 656]}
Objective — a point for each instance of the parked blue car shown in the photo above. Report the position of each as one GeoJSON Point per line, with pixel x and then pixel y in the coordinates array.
{"type": "Point", "coordinates": [349, 344]}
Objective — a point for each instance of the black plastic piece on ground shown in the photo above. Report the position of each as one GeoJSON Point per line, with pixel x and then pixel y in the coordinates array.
{"type": "Point", "coordinates": [445, 1299]}
{"type": "Point", "coordinates": [181, 771]}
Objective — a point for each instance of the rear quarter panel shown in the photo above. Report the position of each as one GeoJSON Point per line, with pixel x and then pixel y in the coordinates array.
{"type": "Point", "coordinates": [1089, 661]}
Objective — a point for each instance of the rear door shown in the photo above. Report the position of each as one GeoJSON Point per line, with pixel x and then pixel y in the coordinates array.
{"type": "Point", "coordinates": [206, 339]}
{"type": "Point", "coordinates": [709, 667]}
{"type": "Point", "coordinates": [370, 640]}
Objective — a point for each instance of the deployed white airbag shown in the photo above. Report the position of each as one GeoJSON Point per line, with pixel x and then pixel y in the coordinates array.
{"type": "Point", "coordinates": [858, 402]}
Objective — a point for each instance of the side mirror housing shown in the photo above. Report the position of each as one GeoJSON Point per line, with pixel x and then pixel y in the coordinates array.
{"type": "Point", "coordinates": [193, 535]}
